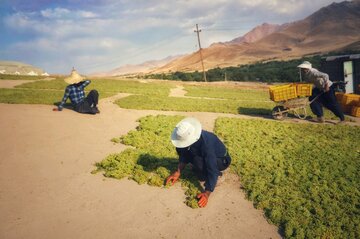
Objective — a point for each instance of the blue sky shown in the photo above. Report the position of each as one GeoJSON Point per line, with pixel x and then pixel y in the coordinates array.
{"type": "Point", "coordinates": [100, 35]}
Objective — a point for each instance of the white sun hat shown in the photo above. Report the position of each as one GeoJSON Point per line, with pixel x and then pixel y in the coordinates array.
{"type": "Point", "coordinates": [74, 77]}
{"type": "Point", "coordinates": [186, 132]}
{"type": "Point", "coordinates": [305, 64]}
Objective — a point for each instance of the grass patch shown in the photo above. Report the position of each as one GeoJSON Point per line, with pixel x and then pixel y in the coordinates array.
{"type": "Point", "coordinates": [15, 96]}
{"type": "Point", "coordinates": [20, 77]}
{"type": "Point", "coordinates": [144, 102]}
{"type": "Point", "coordinates": [305, 177]}
{"type": "Point", "coordinates": [36, 96]}
{"type": "Point", "coordinates": [153, 158]}
{"type": "Point", "coordinates": [227, 93]}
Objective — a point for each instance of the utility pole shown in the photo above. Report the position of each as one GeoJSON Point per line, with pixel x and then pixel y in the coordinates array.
{"type": "Point", "coordinates": [201, 57]}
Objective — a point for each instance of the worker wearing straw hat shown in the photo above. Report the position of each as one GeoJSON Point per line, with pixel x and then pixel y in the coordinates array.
{"type": "Point", "coordinates": [75, 91]}
{"type": "Point", "coordinates": [324, 91]}
{"type": "Point", "coordinates": [204, 151]}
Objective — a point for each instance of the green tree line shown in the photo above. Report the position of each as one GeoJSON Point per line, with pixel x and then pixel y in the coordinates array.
{"type": "Point", "coordinates": [271, 71]}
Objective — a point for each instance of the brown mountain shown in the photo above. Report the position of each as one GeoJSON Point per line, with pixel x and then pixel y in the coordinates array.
{"type": "Point", "coordinates": [332, 28]}
{"type": "Point", "coordinates": [258, 33]}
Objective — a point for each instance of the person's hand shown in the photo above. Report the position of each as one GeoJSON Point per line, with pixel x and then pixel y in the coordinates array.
{"type": "Point", "coordinates": [327, 88]}
{"type": "Point", "coordinates": [173, 178]}
{"type": "Point", "coordinates": [203, 198]}
{"type": "Point", "coordinates": [57, 109]}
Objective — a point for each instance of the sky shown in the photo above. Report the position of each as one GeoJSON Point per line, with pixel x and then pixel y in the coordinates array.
{"type": "Point", "coordinates": [100, 35]}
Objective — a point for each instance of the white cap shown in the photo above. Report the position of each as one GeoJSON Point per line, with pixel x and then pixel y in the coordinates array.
{"type": "Point", "coordinates": [186, 132]}
{"type": "Point", "coordinates": [305, 64]}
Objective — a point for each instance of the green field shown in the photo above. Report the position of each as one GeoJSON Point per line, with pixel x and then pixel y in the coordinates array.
{"type": "Point", "coordinates": [305, 177]}
{"type": "Point", "coordinates": [146, 95]}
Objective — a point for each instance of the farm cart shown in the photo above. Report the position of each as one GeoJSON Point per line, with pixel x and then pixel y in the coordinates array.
{"type": "Point", "coordinates": [291, 98]}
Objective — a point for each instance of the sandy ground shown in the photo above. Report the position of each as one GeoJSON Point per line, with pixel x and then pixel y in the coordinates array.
{"type": "Point", "coordinates": [47, 190]}
{"type": "Point", "coordinates": [13, 83]}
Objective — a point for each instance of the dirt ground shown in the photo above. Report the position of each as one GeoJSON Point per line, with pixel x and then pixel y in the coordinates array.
{"type": "Point", "coordinates": [47, 190]}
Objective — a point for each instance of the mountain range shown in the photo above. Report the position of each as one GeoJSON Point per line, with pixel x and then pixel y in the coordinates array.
{"type": "Point", "coordinates": [335, 27]}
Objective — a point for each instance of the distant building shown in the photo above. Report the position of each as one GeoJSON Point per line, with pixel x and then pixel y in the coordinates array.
{"type": "Point", "coordinates": [345, 68]}
{"type": "Point", "coordinates": [45, 74]}
{"type": "Point", "coordinates": [32, 73]}
{"type": "Point", "coordinates": [2, 71]}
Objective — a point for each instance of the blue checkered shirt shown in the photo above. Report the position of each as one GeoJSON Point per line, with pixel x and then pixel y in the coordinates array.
{"type": "Point", "coordinates": [75, 92]}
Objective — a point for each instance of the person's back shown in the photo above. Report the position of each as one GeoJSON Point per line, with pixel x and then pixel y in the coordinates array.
{"type": "Point", "coordinates": [76, 92]}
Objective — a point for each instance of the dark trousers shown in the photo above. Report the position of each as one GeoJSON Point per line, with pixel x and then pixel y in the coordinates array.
{"type": "Point", "coordinates": [200, 171]}
{"type": "Point", "coordinates": [88, 106]}
{"type": "Point", "coordinates": [327, 99]}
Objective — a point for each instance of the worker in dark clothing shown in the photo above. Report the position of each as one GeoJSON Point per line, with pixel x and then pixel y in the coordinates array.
{"type": "Point", "coordinates": [75, 91]}
{"type": "Point", "coordinates": [204, 151]}
{"type": "Point", "coordinates": [324, 91]}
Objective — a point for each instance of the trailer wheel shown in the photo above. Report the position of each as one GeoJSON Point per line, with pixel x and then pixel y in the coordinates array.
{"type": "Point", "coordinates": [279, 112]}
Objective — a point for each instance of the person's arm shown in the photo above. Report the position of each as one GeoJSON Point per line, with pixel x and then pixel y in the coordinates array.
{"type": "Point", "coordinates": [64, 99]}
{"type": "Point", "coordinates": [182, 163]}
{"type": "Point", "coordinates": [212, 171]}
{"type": "Point", "coordinates": [84, 84]}
{"type": "Point", "coordinates": [212, 176]}
{"type": "Point", "coordinates": [323, 80]}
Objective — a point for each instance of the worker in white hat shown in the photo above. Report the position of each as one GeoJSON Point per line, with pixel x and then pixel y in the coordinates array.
{"type": "Point", "coordinates": [323, 90]}
{"type": "Point", "coordinates": [204, 150]}
{"type": "Point", "coordinates": [75, 91]}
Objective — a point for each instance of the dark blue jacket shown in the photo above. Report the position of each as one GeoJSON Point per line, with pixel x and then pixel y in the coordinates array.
{"type": "Point", "coordinates": [203, 155]}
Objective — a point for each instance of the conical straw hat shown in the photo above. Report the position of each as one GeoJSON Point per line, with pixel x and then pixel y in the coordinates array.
{"type": "Point", "coordinates": [74, 77]}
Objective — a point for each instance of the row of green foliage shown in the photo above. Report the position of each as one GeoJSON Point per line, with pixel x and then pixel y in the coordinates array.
{"type": "Point", "coordinates": [145, 102]}
{"type": "Point", "coordinates": [272, 71]}
{"type": "Point", "coordinates": [153, 159]}
{"type": "Point", "coordinates": [36, 96]}
{"type": "Point", "coordinates": [50, 92]}
{"type": "Point", "coordinates": [20, 77]}
{"type": "Point", "coordinates": [305, 177]}
{"type": "Point", "coordinates": [227, 93]}
{"type": "Point", "coordinates": [152, 96]}
{"type": "Point", "coordinates": [245, 107]}
{"type": "Point", "coordinates": [102, 85]}
{"type": "Point", "coordinates": [16, 96]}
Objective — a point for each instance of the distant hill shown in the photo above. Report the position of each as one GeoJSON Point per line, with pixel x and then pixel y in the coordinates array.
{"type": "Point", "coordinates": [330, 29]}
{"type": "Point", "coordinates": [19, 68]}
{"type": "Point", "coordinates": [139, 68]}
